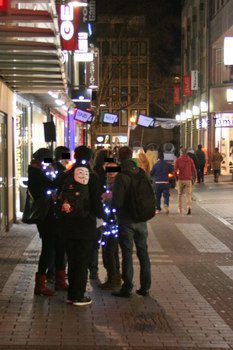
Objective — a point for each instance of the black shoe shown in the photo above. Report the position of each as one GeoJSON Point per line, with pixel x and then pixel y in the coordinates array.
{"type": "Point", "coordinates": [143, 292]}
{"type": "Point", "coordinates": [189, 211]}
{"type": "Point", "coordinates": [123, 293]}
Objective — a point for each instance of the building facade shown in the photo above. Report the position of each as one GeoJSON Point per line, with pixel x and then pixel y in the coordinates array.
{"type": "Point", "coordinates": [124, 74]}
{"type": "Point", "coordinates": [206, 110]}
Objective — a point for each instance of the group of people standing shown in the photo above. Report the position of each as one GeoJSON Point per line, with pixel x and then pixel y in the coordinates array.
{"type": "Point", "coordinates": [75, 239]}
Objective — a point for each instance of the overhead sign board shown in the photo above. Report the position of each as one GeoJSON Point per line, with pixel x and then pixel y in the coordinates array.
{"type": "Point", "coordinates": [3, 5]}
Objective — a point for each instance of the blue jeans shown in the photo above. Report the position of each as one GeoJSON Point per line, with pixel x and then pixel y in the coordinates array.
{"type": "Point", "coordinates": [137, 233]}
{"type": "Point", "coordinates": [159, 190]}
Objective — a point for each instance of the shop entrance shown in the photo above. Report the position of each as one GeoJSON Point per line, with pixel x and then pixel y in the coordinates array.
{"type": "Point", "coordinates": [3, 173]}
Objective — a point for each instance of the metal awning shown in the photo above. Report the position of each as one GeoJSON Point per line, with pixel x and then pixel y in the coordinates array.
{"type": "Point", "coordinates": [30, 50]}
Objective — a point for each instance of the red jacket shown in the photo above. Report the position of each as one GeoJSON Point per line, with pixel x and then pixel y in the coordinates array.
{"type": "Point", "coordinates": [184, 168]}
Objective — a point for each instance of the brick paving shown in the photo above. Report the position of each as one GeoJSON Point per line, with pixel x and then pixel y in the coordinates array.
{"type": "Point", "coordinates": [190, 304]}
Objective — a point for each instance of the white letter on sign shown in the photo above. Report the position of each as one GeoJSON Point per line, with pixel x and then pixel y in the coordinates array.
{"type": "Point", "coordinates": [67, 30]}
{"type": "Point", "coordinates": [66, 13]}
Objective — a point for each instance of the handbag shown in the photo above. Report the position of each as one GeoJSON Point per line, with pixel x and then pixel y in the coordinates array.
{"type": "Point", "coordinates": [35, 211]}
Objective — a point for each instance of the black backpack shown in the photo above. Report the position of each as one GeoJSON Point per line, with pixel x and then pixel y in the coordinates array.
{"type": "Point", "coordinates": [75, 196]}
{"type": "Point", "coordinates": [141, 196]}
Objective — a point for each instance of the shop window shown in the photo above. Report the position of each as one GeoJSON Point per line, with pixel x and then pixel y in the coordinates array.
{"type": "Point", "coordinates": [124, 117]}
{"type": "Point", "coordinates": [115, 48]}
{"type": "Point", "coordinates": [143, 48]}
{"type": "Point", "coordinates": [134, 94]}
{"type": "Point", "coordinates": [124, 94]}
{"type": "Point", "coordinates": [124, 48]}
{"type": "Point", "coordinates": [134, 48]}
{"type": "Point", "coordinates": [105, 48]}
{"type": "Point", "coordinates": [124, 71]}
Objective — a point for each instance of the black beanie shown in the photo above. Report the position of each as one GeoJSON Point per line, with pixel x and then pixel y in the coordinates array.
{"type": "Point", "coordinates": [82, 153]}
{"type": "Point", "coordinates": [42, 153]}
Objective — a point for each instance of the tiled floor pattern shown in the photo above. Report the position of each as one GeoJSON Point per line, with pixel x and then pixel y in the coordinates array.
{"type": "Point", "coordinates": [228, 270]}
{"type": "Point", "coordinates": [175, 315]}
{"type": "Point", "coordinates": [203, 240]}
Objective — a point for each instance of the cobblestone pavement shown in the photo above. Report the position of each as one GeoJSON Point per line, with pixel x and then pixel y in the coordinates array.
{"type": "Point", "coordinates": [191, 299]}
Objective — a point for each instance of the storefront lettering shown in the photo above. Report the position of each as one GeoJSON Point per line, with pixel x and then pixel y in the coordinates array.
{"type": "Point", "coordinates": [223, 122]}
{"type": "Point", "coordinates": [67, 27]}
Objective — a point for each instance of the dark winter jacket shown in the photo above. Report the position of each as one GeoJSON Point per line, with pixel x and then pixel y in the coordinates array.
{"type": "Point", "coordinates": [160, 171]}
{"type": "Point", "coordinates": [184, 168]}
{"type": "Point", "coordinates": [85, 228]}
{"type": "Point", "coordinates": [120, 191]}
{"type": "Point", "coordinates": [195, 160]}
{"type": "Point", "coordinates": [201, 157]}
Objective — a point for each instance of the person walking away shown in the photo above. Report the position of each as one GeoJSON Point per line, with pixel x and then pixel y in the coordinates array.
{"type": "Point", "coordinates": [202, 159]}
{"type": "Point", "coordinates": [192, 155]}
{"type": "Point", "coordinates": [151, 156]}
{"type": "Point", "coordinates": [81, 204]}
{"type": "Point", "coordinates": [184, 169]}
{"type": "Point", "coordinates": [216, 160]}
{"type": "Point", "coordinates": [109, 242]}
{"type": "Point", "coordinates": [159, 173]}
{"type": "Point", "coordinates": [40, 185]}
{"type": "Point", "coordinates": [130, 230]}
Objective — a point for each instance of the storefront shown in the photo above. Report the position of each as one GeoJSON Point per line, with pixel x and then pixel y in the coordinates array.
{"type": "Point", "coordinates": [102, 141]}
{"type": "Point", "coordinates": [224, 140]}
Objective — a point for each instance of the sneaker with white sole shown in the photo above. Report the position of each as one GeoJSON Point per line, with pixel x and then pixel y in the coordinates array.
{"type": "Point", "coordinates": [82, 302]}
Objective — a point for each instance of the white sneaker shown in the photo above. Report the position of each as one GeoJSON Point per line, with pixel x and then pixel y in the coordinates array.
{"type": "Point", "coordinates": [82, 302]}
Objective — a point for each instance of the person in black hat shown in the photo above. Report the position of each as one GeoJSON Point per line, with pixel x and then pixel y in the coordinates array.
{"type": "Point", "coordinates": [80, 231]}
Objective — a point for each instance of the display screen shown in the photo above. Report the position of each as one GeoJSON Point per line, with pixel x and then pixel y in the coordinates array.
{"type": "Point", "coordinates": [145, 121]}
{"type": "Point", "coordinates": [110, 118]}
{"type": "Point", "coordinates": [83, 116]}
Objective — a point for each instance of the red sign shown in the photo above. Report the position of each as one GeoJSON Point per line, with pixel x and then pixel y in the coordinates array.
{"type": "Point", "coordinates": [187, 85]}
{"type": "Point", "coordinates": [176, 95]}
{"type": "Point", "coordinates": [3, 5]}
{"type": "Point", "coordinates": [68, 18]}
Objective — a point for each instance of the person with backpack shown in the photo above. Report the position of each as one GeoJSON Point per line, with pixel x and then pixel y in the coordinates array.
{"type": "Point", "coordinates": [133, 199]}
{"type": "Point", "coordinates": [80, 204]}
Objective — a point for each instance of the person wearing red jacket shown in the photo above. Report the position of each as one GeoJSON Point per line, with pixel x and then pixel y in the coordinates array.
{"type": "Point", "coordinates": [184, 170]}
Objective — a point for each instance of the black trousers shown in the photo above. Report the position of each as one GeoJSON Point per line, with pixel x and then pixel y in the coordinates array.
{"type": "Point", "coordinates": [200, 173]}
{"type": "Point", "coordinates": [110, 254]}
{"type": "Point", "coordinates": [52, 241]}
{"type": "Point", "coordinates": [78, 254]}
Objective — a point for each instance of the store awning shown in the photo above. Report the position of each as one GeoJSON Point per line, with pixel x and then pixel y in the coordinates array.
{"type": "Point", "coordinates": [30, 51]}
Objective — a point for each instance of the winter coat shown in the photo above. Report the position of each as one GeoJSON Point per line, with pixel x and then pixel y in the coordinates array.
{"type": "Point", "coordinates": [151, 156]}
{"type": "Point", "coordinates": [160, 171]}
{"type": "Point", "coordinates": [195, 160]}
{"type": "Point", "coordinates": [85, 228]}
{"type": "Point", "coordinates": [201, 157]}
{"type": "Point", "coordinates": [184, 168]}
{"type": "Point", "coordinates": [121, 189]}
{"type": "Point", "coordinates": [216, 160]}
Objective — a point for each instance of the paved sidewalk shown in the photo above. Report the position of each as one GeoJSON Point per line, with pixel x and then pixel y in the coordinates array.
{"type": "Point", "coordinates": [190, 304]}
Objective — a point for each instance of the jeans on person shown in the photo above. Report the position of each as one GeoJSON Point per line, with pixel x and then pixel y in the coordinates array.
{"type": "Point", "coordinates": [134, 233]}
{"type": "Point", "coordinates": [162, 189]}
{"type": "Point", "coordinates": [184, 185]}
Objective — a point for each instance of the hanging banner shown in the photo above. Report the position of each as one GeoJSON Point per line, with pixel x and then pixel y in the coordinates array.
{"type": "Point", "coordinates": [92, 71]}
{"type": "Point", "coordinates": [3, 5]}
{"type": "Point", "coordinates": [68, 19]}
{"type": "Point", "coordinates": [187, 85]}
{"type": "Point", "coordinates": [176, 95]}
{"type": "Point", "coordinates": [194, 80]}
{"type": "Point", "coordinates": [91, 10]}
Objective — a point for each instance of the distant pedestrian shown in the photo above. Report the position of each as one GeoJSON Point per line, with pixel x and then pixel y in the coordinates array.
{"type": "Point", "coordinates": [202, 159]}
{"type": "Point", "coordinates": [130, 231]}
{"type": "Point", "coordinates": [159, 173]}
{"type": "Point", "coordinates": [192, 155]}
{"type": "Point", "coordinates": [216, 160]}
{"type": "Point", "coordinates": [184, 169]}
{"type": "Point", "coordinates": [151, 156]}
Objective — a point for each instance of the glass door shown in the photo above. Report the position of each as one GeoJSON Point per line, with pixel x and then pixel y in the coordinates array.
{"type": "Point", "coordinates": [3, 173]}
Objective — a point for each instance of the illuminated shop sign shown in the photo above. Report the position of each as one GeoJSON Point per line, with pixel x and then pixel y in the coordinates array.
{"type": "Point", "coordinates": [91, 10]}
{"type": "Point", "coordinates": [3, 5]}
{"type": "Point", "coordinates": [201, 123]}
{"type": "Point", "coordinates": [194, 80]}
{"type": "Point", "coordinates": [103, 139]}
{"type": "Point", "coordinates": [92, 71]}
{"type": "Point", "coordinates": [225, 119]}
